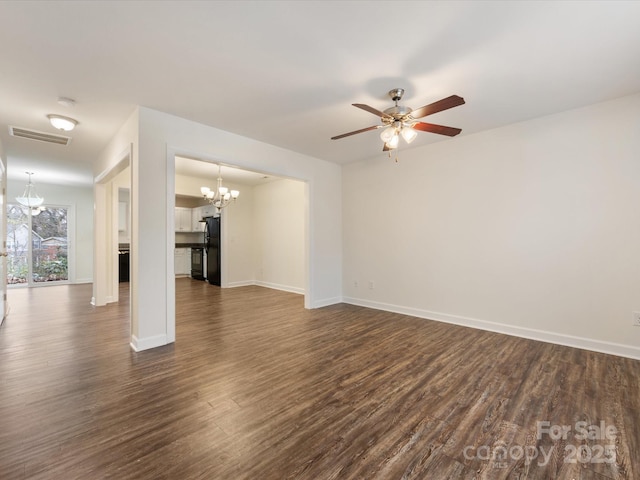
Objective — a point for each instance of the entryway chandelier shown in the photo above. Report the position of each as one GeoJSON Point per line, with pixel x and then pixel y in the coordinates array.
{"type": "Point", "coordinates": [221, 196]}
{"type": "Point", "coordinates": [29, 197]}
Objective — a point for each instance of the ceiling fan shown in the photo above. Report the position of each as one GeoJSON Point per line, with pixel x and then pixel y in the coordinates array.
{"type": "Point", "coordinates": [400, 120]}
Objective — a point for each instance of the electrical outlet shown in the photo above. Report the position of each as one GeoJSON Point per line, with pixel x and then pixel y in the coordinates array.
{"type": "Point", "coordinates": [636, 319]}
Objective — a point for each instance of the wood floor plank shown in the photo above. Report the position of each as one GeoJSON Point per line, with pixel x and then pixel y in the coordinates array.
{"type": "Point", "coordinates": [258, 387]}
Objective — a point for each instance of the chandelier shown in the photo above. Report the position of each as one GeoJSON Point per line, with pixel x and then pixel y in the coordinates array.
{"type": "Point", "coordinates": [221, 196]}
{"type": "Point", "coordinates": [30, 198]}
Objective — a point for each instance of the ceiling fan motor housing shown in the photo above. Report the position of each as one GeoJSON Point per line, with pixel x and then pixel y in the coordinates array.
{"type": "Point", "coordinates": [396, 94]}
{"type": "Point", "coordinates": [398, 112]}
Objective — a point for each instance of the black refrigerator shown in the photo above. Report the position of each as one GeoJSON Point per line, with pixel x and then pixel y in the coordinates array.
{"type": "Point", "coordinates": [212, 248]}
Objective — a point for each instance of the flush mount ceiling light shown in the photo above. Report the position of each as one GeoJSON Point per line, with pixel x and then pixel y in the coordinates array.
{"type": "Point", "coordinates": [221, 196]}
{"type": "Point", "coordinates": [62, 123]}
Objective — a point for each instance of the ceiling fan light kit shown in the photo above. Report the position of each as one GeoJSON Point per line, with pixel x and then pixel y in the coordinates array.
{"type": "Point", "coordinates": [402, 121]}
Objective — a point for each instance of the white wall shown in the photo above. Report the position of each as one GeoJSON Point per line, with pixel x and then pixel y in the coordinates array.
{"type": "Point", "coordinates": [119, 155]}
{"type": "Point", "coordinates": [157, 137]}
{"type": "Point", "coordinates": [531, 229]}
{"type": "Point", "coordinates": [80, 218]}
{"type": "Point", "coordinates": [279, 211]}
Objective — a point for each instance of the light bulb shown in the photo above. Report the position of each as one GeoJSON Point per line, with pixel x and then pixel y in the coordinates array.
{"type": "Point", "coordinates": [387, 134]}
{"type": "Point", "coordinates": [409, 134]}
{"type": "Point", "coordinates": [234, 194]}
{"type": "Point", "coordinates": [204, 191]}
{"type": "Point", "coordinates": [223, 190]}
{"type": "Point", "coordinates": [393, 143]}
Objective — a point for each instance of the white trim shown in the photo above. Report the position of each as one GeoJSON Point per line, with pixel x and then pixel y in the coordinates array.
{"type": "Point", "coordinates": [83, 280]}
{"type": "Point", "coordinates": [140, 344]}
{"type": "Point", "coordinates": [523, 332]}
{"type": "Point", "coordinates": [277, 286]}
{"type": "Point", "coordinates": [259, 283]}
{"type": "Point", "coordinates": [170, 232]}
{"type": "Point", "coordinates": [246, 283]}
{"type": "Point", "coordinates": [325, 302]}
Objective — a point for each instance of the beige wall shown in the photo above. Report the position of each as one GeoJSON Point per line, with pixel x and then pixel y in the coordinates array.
{"type": "Point", "coordinates": [279, 210]}
{"type": "Point", "coordinates": [531, 229]}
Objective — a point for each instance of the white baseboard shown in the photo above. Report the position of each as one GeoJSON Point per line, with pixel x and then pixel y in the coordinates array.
{"type": "Point", "coordinates": [276, 286]}
{"type": "Point", "coordinates": [258, 283]}
{"type": "Point", "coordinates": [246, 283]}
{"type": "Point", "coordinates": [611, 348]}
{"type": "Point", "coordinates": [139, 344]}
{"type": "Point", "coordinates": [325, 302]}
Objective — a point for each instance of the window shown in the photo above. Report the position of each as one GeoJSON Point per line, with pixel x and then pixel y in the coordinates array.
{"type": "Point", "coordinates": [37, 245]}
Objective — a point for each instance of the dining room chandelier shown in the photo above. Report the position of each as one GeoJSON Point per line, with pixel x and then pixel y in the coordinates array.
{"type": "Point", "coordinates": [30, 197]}
{"type": "Point", "coordinates": [221, 196]}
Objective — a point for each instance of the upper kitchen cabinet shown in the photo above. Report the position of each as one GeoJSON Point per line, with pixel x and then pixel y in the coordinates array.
{"type": "Point", "coordinates": [201, 212]}
{"type": "Point", "coordinates": [183, 219]}
{"type": "Point", "coordinates": [209, 211]}
{"type": "Point", "coordinates": [196, 215]}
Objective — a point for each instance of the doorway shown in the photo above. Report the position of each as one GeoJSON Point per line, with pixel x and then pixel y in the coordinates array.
{"type": "Point", "coordinates": [262, 233]}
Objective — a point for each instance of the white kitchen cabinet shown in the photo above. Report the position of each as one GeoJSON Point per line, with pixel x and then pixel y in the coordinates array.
{"type": "Point", "coordinates": [199, 213]}
{"type": "Point", "coordinates": [209, 211]}
{"type": "Point", "coordinates": [196, 215]}
{"type": "Point", "coordinates": [183, 219]}
{"type": "Point", "coordinates": [182, 261]}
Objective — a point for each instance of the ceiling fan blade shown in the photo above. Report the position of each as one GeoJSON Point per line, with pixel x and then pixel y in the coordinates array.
{"type": "Point", "coordinates": [338, 137]}
{"type": "Point", "coordinates": [440, 129]}
{"type": "Point", "coordinates": [371, 110]}
{"type": "Point", "coordinates": [440, 105]}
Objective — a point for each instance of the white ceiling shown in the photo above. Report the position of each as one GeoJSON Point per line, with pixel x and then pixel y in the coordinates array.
{"type": "Point", "coordinates": [208, 172]}
{"type": "Point", "coordinates": [287, 72]}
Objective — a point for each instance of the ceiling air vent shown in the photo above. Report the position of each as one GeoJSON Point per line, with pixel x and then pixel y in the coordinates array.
{"type": "Point", "coordinates": [40, 136]}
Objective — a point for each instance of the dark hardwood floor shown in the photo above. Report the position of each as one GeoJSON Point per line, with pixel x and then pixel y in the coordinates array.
{"type": "Point", "coordinates": [256, 387]}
